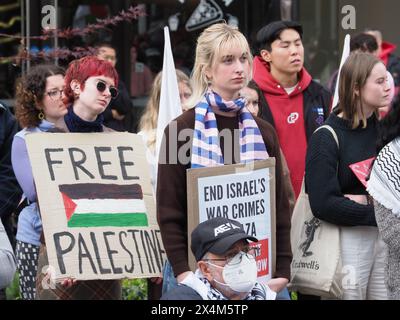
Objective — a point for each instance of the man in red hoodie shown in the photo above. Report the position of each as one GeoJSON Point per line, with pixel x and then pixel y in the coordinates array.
{"type": "Point", "coordinates": [294, 104]}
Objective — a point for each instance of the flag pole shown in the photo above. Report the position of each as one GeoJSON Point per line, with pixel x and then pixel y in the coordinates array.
{"type": "Point", "coordinates": [170, 104]}
{"type": "Point", "coordinates": [345, 54]}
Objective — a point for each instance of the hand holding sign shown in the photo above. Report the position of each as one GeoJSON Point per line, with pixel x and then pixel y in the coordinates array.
{"type": "Point", "coordinates": [97, 206]}
{"type": "Point", "coordinates": [68, 283]}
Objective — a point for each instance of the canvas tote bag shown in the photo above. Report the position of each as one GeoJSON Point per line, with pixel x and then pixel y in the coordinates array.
{"type": "Point", "coordinates": [316, 265]}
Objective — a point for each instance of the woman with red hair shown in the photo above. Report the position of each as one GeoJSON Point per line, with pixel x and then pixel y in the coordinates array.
{"type": "Point", "coordinates": [90, 83]}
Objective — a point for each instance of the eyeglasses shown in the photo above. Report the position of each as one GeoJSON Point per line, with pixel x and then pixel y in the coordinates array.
{"type": "Point", "coordinates": [101, 86]}
{"type": "Point", "coordinates": [233, 258]}
{"type": "Point", "coordinates": [55, 94]}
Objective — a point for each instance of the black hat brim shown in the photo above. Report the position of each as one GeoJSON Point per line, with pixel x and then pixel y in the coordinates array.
{"type": "Point", "coordinates": [224, 244]}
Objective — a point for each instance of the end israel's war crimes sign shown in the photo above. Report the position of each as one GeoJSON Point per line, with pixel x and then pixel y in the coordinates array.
{"type": "Point", "coordinates": [245, 193]}
{"type": "Point", "coordinates": [96, 204]}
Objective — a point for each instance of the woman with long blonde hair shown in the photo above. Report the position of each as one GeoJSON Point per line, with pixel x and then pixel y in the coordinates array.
{"type": "Point", "coordinates": [148, 121]}
{"type": "Point", "coordinates": [222, 69]}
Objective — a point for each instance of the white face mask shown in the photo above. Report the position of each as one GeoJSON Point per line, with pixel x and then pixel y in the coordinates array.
{"type": "Point", "coordinates": [240, 274]}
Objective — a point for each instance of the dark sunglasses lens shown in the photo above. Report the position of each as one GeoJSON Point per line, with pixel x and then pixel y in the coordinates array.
{"type": "Point", "coordinates": [113, 92]}
{"type": "Point", "coordinates": [101, 86]}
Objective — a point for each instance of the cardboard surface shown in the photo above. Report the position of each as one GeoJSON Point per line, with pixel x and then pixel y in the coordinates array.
{"type": "Point", "coordinates": [96, 204]}
{"type": "Point", "coordinates": [242, 193]}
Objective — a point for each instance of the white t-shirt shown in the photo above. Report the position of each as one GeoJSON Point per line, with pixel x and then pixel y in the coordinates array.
{"type": "Point", "coordinates": [291, 89]}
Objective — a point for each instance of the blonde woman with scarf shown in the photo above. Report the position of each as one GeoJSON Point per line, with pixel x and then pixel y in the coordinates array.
{"type": "Point", "coordinates": [223, 67]}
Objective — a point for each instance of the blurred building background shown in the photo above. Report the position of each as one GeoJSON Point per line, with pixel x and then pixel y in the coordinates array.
{"type": "Point", "coordinates": [321, 19]}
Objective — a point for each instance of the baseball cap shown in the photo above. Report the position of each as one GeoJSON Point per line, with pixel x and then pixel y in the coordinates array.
{"type": "Point", "coordinates": [269, 33]}
{"type": "Point", "coordinates": [217, 235]}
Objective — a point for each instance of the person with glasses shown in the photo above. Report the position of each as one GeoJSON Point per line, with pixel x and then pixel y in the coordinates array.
{"type": "Point", "coordinates": [90, 83]}
{"type": "Point", "coordinates": [226, 265]}
{"type": "Point", "coordinates": [148, 131]}
{"type": "Point", "coordinates": [217, 130]}
{"type": "Point", "coordinates": [38, 107]}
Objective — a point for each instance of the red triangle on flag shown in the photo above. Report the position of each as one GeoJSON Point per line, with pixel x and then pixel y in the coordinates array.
{"type": "Point", "coordinates": [69, 205]}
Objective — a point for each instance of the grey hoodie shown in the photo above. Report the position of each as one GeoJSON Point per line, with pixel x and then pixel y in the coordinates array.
{"type": "Point", "coordinates": [7, 259]}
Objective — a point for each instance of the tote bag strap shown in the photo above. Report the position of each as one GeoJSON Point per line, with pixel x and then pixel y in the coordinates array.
{"type": "Point", "coordinates": [304, 194]}
{"type": "Point", "coordinates": [333, 132]}
{"type": "Point", "coordinates": [327, 126]}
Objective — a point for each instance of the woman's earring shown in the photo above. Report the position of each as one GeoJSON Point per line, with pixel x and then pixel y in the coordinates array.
{"type": "Point", "coordinates": [76, 92]}
{"type": "Point", "coordinates": [41, 115]}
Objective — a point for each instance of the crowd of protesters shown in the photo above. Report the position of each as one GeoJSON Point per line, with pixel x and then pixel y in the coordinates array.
{"type": "Point", "coordinates": [272, 107]}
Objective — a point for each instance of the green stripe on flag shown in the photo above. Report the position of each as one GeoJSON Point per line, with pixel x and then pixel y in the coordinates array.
{"type": "Point", "coordinates": [108, 220]}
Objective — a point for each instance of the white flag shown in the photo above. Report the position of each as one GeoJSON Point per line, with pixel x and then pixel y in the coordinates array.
{"type": "Point", "coordinates": [170, 103]}
{"type": "Point", "coordinates": [345, 54]}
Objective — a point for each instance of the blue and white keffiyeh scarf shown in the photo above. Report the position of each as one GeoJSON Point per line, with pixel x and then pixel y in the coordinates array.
{"type": "Point", "coordinates": [206, 151]}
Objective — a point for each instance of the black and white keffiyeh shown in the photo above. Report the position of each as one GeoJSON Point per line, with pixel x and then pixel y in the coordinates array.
{"type": "Point", "coordinates": [384, 182]}
{"type": "Point", "coordinates": [259, 292]}
{"type": "Point", "coordinates": [203, 287]}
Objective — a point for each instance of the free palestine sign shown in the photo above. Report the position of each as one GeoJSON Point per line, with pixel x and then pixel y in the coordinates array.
{"type": "Point", "coordinates": [96, 204]}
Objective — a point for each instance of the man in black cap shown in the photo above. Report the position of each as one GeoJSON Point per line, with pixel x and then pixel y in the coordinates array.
{"type": "Point", "coordinates": [226, 265]}
{"type": "Point", "coordinates": [292, 102]}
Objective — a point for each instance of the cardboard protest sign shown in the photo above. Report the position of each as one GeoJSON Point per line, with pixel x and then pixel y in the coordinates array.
{"type": "Point", "coordinates": [242, 193]}
{"type": "Point", "coordinates": [96, 204]}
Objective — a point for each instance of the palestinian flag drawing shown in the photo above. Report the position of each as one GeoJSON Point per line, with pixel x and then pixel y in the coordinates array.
{"type": "Point", "coordinates": [104, 205]}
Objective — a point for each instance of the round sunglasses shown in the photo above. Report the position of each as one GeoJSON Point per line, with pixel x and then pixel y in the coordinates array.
{"type": "Point", "coordinates": [101, 86]}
